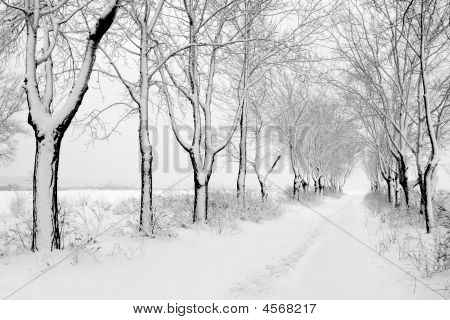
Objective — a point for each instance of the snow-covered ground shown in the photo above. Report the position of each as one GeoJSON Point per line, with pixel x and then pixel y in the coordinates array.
{"type": "Point", "coordinates": [298, 255]}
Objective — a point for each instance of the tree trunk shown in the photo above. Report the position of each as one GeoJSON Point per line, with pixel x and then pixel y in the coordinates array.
{"type": "Point", "coordinates": [296, 187]}
{"type": "Point", "coordinates": [423, 191]}
{"type": "Point", "coordinates": [243, 123]}
{"type": "Point", "coordinates": [396, 191]}
{"type": "Point", "coordinates": [388, 185]}
{"type": "Point", "coordinates": [262, 186]}
{"type": "Point", "coordinates": [242, 156]}
{"type": "Point", "coordinates": [433, 159]}
{"type": "Point", "coordinates": [146, 212]}
{"type": "Point", "coordinates": [321, 185]}
{"type": "Point", "coordinates": [200, 201]}
{"type": "Point", "coordinates": [46, 234]}
{"type": "Point", "coordinates": [49, 126]}
{"type": "Point", "coordinates": [304, 185]}
{"type": "Point", "coordinates": [391, 191]}
{"type": "Point", "coordinates": [390, 188]}
{"type": "Point", "coordinates": [427, 196]}
{"type": "Point", "coordinates": [403, 179]}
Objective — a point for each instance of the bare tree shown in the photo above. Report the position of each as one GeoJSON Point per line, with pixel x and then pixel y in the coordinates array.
{"type": "Point", "coordinates": [244, 106]}
{"type": "Point", "coordinates": [11, 102]}
{"type": "Point", "coordinates": [281, 47]}
{"type": "Point", "coordinates": [48, 25]}
{"type": "Point", "coordinates": [267, 149]}
{"type": "Point", "coordinates": [373, 134]}
{"type": "Point", "coordinates": [290, 101]}
{"type": "Point", "coordinates": [428, 22]}
{"type": "Point", "coordinates": [133, 39]}
{"type": "Point", "coordinates": [379, 74]}
{"type": "Point", "coordinates": [371, 168]}
{"type": "Point", "coordinates": [206, 27]}
{"type": "Point", "coordinates": [397, 58]}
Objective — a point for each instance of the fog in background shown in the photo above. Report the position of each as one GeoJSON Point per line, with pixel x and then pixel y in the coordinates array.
{"type": "Point", "coordinates": [115, 162]}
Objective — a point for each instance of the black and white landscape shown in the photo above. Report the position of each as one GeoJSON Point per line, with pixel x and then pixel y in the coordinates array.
{"type": "Point", "coordinates": [224, 149]}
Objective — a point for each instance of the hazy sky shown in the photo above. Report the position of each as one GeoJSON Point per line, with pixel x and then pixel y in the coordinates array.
{"type": "Point", "coordinates": [116, 161]}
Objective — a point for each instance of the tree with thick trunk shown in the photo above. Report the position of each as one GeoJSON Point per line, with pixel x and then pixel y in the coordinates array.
{"type": "Point", "coordinates": [49, 122]}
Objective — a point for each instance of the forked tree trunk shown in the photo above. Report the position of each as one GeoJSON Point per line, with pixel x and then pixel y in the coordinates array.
{"type": "Point", "coordinates": [304, 185]}
{"type": "Point", "coordinates": [46, 233]}
{"type": "Point", "coordinates": [49, 126]}
{"type": "Point", "coordinates": [201, 150]}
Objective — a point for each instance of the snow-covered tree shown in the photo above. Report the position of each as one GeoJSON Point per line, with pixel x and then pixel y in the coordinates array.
{"type": "Point", "coordinates": [56, 79]}
{"type": "Point", "coordinates": [11, 102]}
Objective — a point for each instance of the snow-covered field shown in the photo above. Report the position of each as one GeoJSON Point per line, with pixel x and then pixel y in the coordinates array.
{"type": "Point", "coordinates": [302, 254]}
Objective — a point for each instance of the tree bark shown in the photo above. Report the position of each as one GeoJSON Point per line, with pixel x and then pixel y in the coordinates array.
{"type": "Point", "coordinates": [46, 233]}
{"type": "Point", "coordinates": [403, 179]}
{"type": "Point", "coordinates": [146, 212]}
{"type": "Point", "coordinates": [200, 200]}
{"type": "Point", "coordinates": [242, 154]}
{"type": "Point", "coordinates": [321, 185]}
{"type": "Point", "coordinates": [427, 189]}
{"type": "Point", "coordinates": [304, 185]}
{"type": "Point", "coordinates": [391, 191]}
{"type": "Point", "coordinates": [262, 186]}
{"type": "Point", "coordinates": [395, 183]}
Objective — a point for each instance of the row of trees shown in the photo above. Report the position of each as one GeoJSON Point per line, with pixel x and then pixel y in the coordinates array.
{"type": "Point", "coordinates": [395, 62]}
{"type": "Point", "coordinates": [198, 58]}
{"type": "Point", "coordinates": [11, 102]}
{"type": "Point", "coordinates": [319, 136]}
{"type": "Point", "coordinates": [291, 116]}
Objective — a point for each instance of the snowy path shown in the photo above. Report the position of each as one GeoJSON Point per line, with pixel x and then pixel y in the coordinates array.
{"type": "Point", "coordinates": [298, 256]}
{"type": "Point", "coordinates": [337, 266]}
